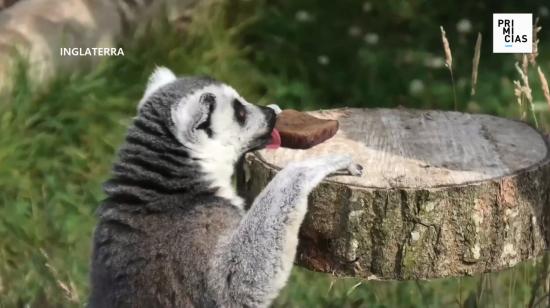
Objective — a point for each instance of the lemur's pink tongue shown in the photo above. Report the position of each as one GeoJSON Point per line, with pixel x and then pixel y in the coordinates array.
{"type": "Point", "coordinates": [275, 140]}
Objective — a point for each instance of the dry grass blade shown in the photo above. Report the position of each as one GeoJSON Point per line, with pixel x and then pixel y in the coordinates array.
{"type": "Point", "coordinates": [518, 93]}
{"type": "Point", "coordinates": [353, 288]}
{"type": "Point", "coordinates": [524, 89]}
{"type": "Point", "coordinates": [69, 289]}
{"type": "Point", "coordinates": [535, 52]}
{"type": "Point", "coordinates": [448, 61]}
{"type": "Point", "coordinates": [524, 64]}
{"type": "Point", "coordinates": [475, 63]}
{"type": "Point", "coordinates": [544, 86]}
{"type": "Point", "coordinates": [446, 48]}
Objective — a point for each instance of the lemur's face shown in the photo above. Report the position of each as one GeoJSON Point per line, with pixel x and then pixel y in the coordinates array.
{"type": "Point", "coordinates": [217, 118]}
{"type": "Point", "coordinates": [210, 118]}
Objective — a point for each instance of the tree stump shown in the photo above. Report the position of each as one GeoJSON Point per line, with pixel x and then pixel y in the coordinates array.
{"type": "Point", "coordinates": [442, 194]}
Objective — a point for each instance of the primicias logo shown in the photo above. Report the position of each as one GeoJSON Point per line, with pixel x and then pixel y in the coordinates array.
{"type": "Point", "coordinates": [512, 33]}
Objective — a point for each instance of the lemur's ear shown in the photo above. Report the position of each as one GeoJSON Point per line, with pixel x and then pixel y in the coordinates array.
{"type": "Point", "coordinates": [192, 117]}
{"type": "Point", "coordinates": [207, 103]}
{"type": "Point", "coordinates": [160, 77]}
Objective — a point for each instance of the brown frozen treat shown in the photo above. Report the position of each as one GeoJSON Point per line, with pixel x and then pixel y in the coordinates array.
{"type": "Point", "coordinates": [300, 130]}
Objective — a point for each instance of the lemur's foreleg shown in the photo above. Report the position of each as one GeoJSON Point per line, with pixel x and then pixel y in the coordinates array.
{"type": "Point", "coordinates": [253, 264]}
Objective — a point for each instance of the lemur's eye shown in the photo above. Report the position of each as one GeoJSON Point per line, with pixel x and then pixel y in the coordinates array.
{"type": "Point", "coordinates": [240, 111]}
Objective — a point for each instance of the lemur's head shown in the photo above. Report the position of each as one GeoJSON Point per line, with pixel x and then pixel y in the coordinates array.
{"type": "Point", "coordinates": [210, 119]}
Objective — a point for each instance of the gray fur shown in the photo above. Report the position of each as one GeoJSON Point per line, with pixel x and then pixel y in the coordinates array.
{"type": "Point", "coordinates": [165, 239]}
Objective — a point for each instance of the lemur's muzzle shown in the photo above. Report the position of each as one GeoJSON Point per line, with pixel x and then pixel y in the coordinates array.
{"type": "Point", "coordinates": [271, 118]}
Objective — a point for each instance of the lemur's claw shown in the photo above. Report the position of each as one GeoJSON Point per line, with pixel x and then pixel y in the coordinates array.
{"type": "Point", "coordinates": [355, 169]}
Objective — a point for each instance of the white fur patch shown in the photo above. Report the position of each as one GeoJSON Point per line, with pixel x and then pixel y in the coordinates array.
{"type": "Point", "coordinates": [275, 108]}
{"type": "Point", "coordinates": [161, 76]}
{"type": "Point", "coordinates": [217, 156]}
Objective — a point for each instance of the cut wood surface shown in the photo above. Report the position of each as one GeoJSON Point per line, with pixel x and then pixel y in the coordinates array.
{"type": "Point", "coordinates": [442, 194]}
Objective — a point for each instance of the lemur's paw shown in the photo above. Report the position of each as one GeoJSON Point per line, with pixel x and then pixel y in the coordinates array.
{"type": "Point", "coordinates": [355, 169]}
{"type": "Point", "coordinates": [347, 165]}
{"type": "Point", "coordinates": [344, 165]}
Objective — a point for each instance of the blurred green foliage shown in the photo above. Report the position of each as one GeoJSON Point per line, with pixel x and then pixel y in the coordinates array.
{"type": "Point", "coordinates": [387, 53]}
{"type": "Point", "coordinates": [57, 145]}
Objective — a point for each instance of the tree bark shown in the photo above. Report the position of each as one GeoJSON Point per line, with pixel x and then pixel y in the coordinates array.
{"type": "Point", "coordinates": [443, 194]}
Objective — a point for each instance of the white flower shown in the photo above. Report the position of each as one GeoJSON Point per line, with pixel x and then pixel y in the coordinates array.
{"type": "Point", "coordinates": [416, 86]}
{"type": "Point", "coordinates": [371, 38]}
{"type": "Point", "coordinates": [303, 16]}
{"type": "Point", "coordinates": [354, 31]}
{"type": "Point", "coordinates": [367, 7]}
{"type": "Point", "coordinates": [543, 11]}
{"type": "Point", "coordinates": [434, 62]}
{"type": "Point", "coordinates": [464, 26]}
{"type": "Point", "coordinates": [323, 59]}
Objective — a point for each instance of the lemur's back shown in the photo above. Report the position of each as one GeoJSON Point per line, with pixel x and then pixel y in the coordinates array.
{"type": "Point", "coordinates": [161, 219]}
{"type": "Point", "coordinates": [157, 259]}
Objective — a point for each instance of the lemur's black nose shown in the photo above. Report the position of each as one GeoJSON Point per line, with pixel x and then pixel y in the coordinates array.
{"type": "Point", "coordinates": [270, 116]}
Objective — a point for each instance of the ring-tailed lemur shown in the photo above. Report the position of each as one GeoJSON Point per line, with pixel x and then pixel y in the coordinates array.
{"type": "Point", "coordinates": [172, 232]}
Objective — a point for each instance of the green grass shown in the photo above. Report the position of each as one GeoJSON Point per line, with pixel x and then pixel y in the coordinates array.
{"type": "Point", "coordinates": [57, 146]}
{"type": "Point", "coordinates": [55, 149]}
{"type": "Point", "coordinates": [511, 288]}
